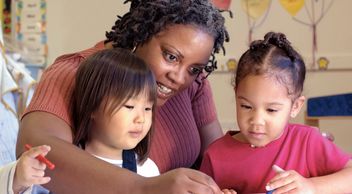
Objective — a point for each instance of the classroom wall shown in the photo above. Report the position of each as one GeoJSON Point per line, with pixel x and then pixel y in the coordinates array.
{"type": "Point", "coordinates": [79, 24]}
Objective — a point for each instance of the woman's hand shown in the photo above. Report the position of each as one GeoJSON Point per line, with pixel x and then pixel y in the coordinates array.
{"type": "Point", "coordinates": [182, 181]}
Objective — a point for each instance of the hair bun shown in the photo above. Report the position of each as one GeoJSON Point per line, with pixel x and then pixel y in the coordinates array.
{"type": "Point", "coordinates": [277, 39]}
{"type": "Point", "coordinates": [257, 44]}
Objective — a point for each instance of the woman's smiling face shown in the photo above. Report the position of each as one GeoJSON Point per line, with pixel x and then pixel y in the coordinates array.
{"type": "Point", "coordinates": [176, 56]}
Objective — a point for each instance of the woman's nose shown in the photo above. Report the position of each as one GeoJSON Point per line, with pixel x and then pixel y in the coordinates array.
{"type": "Point", "coordinates": [178, 76]}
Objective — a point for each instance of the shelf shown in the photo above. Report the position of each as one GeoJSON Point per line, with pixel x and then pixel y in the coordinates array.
{"type": "Point", "coordinates": [314, 120]}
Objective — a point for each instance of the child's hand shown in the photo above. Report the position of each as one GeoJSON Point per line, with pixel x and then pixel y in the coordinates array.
{"type": "Point", "coordinates": [229, 191]}
{"type": "Point", "coordinates": [290, 182]}
{"type": "Point", "coordinates": [29, 170]}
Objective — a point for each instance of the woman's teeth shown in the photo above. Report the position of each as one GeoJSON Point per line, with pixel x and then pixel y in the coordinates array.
{"type": "Point", "coordinates": [163, 89]}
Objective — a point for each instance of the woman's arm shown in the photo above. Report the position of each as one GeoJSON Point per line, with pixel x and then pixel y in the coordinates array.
{"type": "Point", "coordinates": [204, 112]}
{"type": "Point", "coordinates": [210, 133]}
{"type": "Point", "coordinates": [77, 171]}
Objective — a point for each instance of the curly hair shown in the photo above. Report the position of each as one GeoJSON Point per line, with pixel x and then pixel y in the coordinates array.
{"type": "Point", "coordinates": [146, 18]}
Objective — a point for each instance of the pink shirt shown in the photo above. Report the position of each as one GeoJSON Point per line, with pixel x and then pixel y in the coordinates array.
{"type": "Point", "coordinates": [237, 165]}
{"type": "Point", "coordinates": [176, 142]}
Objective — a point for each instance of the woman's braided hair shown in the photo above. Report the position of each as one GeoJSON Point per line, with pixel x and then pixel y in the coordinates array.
{"type": "Point", "coordinates": [274, 56]}
{"type": "Point", "coordinates": [146, 18]}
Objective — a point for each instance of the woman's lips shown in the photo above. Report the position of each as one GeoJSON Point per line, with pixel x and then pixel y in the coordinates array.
{"type": "Point", "coordinates": [163, 91]}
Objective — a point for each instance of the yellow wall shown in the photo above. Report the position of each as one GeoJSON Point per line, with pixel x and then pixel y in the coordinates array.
{"type": "Point", "coordinates": [76, 25]}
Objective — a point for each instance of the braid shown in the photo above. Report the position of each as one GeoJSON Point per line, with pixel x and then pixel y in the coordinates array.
{"type": "Point", "coordinates": [146, 18]}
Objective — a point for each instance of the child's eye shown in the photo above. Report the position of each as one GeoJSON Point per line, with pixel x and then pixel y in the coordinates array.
{"type": "Point", "coordinates": [148, 109]}
{"type": "Point", "coordinates": [246, 106]}
{"type": "Point", "coordinates": [271, 110]}
{"type": "Point", "coordinates": [129, 106]}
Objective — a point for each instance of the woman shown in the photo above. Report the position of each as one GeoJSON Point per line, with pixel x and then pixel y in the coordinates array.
{"type": "Point", "coordinates": [177, 39]}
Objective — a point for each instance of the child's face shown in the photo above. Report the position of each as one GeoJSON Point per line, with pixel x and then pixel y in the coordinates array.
{"type": "Point", "coordinates": [263, 109]}
{"type": "Point", "coordinates": [125, 128]}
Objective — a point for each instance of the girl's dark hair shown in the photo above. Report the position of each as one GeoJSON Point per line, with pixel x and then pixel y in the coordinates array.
{"type": "Point", "coordinates": [107, 79]}
{"type": "Point", "coordinates": [146, 18]}
{"type": "Point", "coordinates": [273, 56]}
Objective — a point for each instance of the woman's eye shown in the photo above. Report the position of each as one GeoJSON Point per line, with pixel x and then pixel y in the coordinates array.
{"type": "Point", "coordinates": [196, 70]}
{"type": "Point", "coordinates": [170, 57]}
{"type": "Point", "coordinates": [129, 106]}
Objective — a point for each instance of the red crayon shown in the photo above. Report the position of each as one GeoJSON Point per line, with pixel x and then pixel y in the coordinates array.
{"type": "Point", "coordinates": [41, 158]}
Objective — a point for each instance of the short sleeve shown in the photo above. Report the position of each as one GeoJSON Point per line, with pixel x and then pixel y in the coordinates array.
{"type": "Point", "coordinates": [323, 156]}
{"type": "Point", "coordinates": [53, 92]}
{"type": "Point", "coordinates": [203, 105]}
{"type": "Point", "coordinates": [148, 169]}
{"type": "Point", "coordinates": [206, 165]}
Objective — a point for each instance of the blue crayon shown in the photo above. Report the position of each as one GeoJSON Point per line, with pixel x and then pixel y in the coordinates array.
{"type": "Point", "coordinates": [270, 192]}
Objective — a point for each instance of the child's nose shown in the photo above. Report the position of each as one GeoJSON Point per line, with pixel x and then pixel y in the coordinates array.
{"type": "Point", "coordinates": [257, 118]}
{"type": "Point", "coordinates": [140, 118]}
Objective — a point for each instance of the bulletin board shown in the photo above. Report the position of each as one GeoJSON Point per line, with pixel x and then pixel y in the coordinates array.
{"type": "Point", "coordinates": [30, 31]}
{"type": "Point", "coordinates": [6, 22]}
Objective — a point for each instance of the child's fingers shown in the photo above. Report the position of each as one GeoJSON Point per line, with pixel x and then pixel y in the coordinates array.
{"type": "Point", "coordinates": [286, 188]}
{"type": "Point", "coordinates": [37, 173]}
{"type": "Point", "coordinates": [40, 180]}
{"type": "Point", "coordinates": [32, 163]}
{"type": "Point", "coordinates": [29, 175]}
{"type": "Point", "coordinates": [281, 180]}
{"type": "Point", "coordinates": [279, 176]}
{"type": "Point", "coordinates": [277, 169]}
{"type": "Point", "coordinates": [38, 165]}
{"type": "Point", "coordinates": [36, 151]}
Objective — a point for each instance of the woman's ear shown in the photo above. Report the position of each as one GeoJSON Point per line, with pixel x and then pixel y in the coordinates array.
{"type": "Point", "coordinates": [297, 105]}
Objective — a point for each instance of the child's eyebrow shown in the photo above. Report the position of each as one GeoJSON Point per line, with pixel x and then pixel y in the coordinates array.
{"type": "Point", "coordinates": [269, 104]}
{"type": "Point", "coordinates": [243, 98]}
{"type": "Point", "coordinates": [275, 104]}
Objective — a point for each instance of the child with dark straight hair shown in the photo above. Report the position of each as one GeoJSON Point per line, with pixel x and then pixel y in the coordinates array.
{"type": "Point", "coordinates": [269, 153]}
{"type": "Point", "coordinates": [112, 109]}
